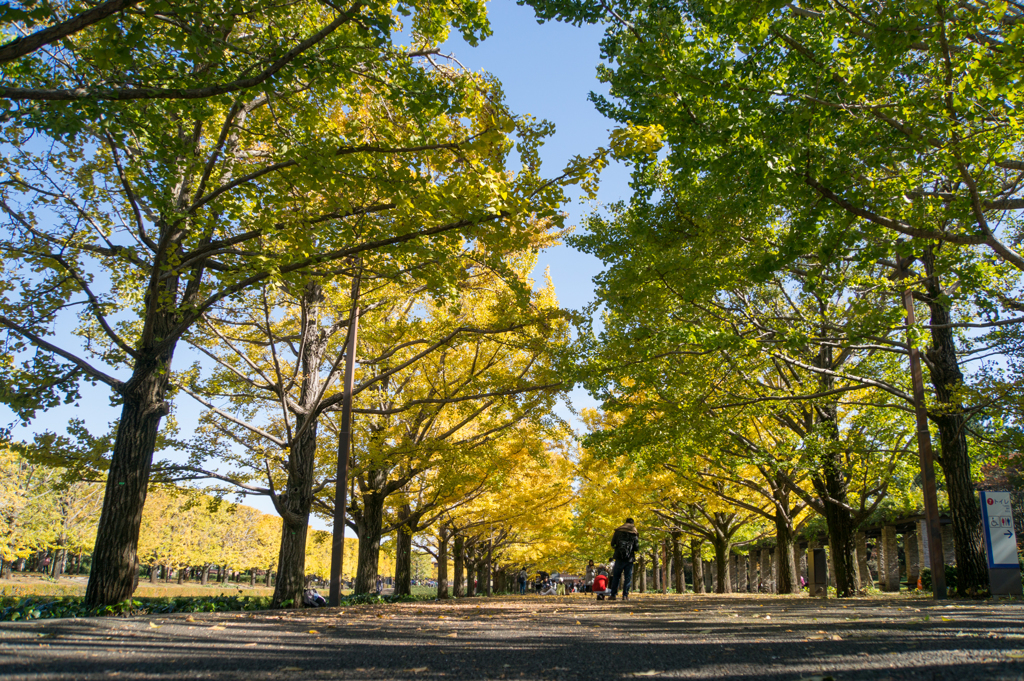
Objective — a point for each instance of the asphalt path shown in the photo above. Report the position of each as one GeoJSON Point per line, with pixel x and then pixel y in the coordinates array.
{"type": "Point", "coordinates": [574, 637]}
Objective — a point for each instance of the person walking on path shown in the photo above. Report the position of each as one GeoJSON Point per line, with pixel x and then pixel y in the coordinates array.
{"type": "Point", "coordinates": [625, 542]}
{"type": "Point", "coordinates": [522, 582]}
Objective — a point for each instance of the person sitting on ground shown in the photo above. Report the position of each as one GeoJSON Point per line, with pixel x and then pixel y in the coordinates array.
{"type": "Point", "coordinates": [625, 542]}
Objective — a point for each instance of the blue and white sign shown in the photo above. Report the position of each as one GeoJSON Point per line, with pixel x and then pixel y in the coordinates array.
{"type": "Point", "coordinates": [1000, 538]}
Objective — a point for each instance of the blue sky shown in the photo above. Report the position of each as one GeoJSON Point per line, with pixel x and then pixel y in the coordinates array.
{"type": "Point", "coordinates": [546, 70]}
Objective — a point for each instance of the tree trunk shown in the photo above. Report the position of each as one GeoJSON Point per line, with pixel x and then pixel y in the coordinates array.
{"type": "Point", "coordinates": [403, 556]}
{"type": "Point", "coordinates": [724, 585]}
{"type": "Point", "coordinates": [295, 504]}
{"type": "Point", "coordinates": [655, 569]}
{"type": "Point", "coordinates": [948, 416]}
{"type": "Point", "coordinates": [471, 562]}
{"type": "Point", "coordinates": [641, 579]}
{"type": "Point", "coordinates": [442, 565]}
{"type": "Point", "coordinates": [482, 577]}
{"type": "Point", "coordinates": [831, 486]}
{"type": "Point", "coordinates": [460, 566]}
{"type": "Point", "coordinates": [59, 556]}
{"type": "Point", "coordinates": [785, 559]}
{"type": "Point", "coordinates": [666, 566]}
{"type": "Point", "coordinates": [677, 564]}
{"type": "Point", "coordinates": [697, 566]}
{"type": "Point", "coordinates": [114, 558]}
{"type": "Point", "coordinates": [167, 573]}
{"type": "Point", "coordinates": [181, 575]}
{"type": "Point", "coordinates": [369, 523]}
{"type": "Point", "coordinates": [204, 575]}
{"type": "Point", "coordinates": [154, 573]}
{"type": "Point", "coordinates": [252, 578]}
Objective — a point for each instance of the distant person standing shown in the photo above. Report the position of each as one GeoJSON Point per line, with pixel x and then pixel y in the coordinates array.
{"type": "Point", "coordinates": [588, 576]}
{"type": "Point", "coordinates": [625, 542]}
{"type": "Point", "coordinates": [380, 585]}
{"type": "Point", "coordinates": [522, 582]}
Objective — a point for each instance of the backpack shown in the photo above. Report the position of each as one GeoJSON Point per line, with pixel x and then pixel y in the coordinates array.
{"type": "Point", "coordinates": [624, 548]}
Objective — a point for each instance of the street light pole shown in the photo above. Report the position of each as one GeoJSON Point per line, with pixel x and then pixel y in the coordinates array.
{"type": "Point", "coordinates": [344, 451]}
{"type": "Point", "coordinates": [924, 448]}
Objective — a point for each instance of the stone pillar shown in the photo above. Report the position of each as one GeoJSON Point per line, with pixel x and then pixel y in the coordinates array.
{"type": "Point", "coordinates": [948, 547]}
{"type": "Point", "coordinates": [809, 559]}
{"type": "Point", "coordinates": [711, 577]}
{"type": "Point", "coordinates": [913, 558]}
{"type": "Point", "coordinates": [740, 585]}
{"type": "Point", "coordinates": [922, 544]}
{"type": "Point", "coordinates": [861, 548]}
{"type": "Point", "coordinates": [752, 572]}
{"type": "Point", "coordinates": [767, 581]}
{"type": "Point", "coordinates": [858, 580]}
{"type": "Point", "coordinates": [890, 559]}
{"type": "Point", "coordinates": [734, 570]}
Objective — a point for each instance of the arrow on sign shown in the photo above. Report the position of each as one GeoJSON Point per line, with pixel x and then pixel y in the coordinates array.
{"type": "Point", "coordinates": [1009, 533]}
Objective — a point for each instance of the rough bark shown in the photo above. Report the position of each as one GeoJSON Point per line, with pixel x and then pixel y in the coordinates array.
{"type": "Point", "coordinates": [677, 564]}
{"type": "Point", "coordinates": [697, 566]}
{"type": "Point", "coordinates": [442, 564]}
{"type": "Point", "coordinates": [115, 556]}
{"type": "Point", "coordinates": [656, 569]}
{"type": "Point", "coordinates": [786, 574]}
{"type": "Point", "coordinates": [403, 557]}
{"type": "Point", "coordinates": [948, 416]}
{"type": "Point", "coordinates": [295, 504]}
{"type": "Point", "coordinates": [724, 583]}
{"type": "Point", "coordinates": [831, 486]}
{"type": "Point", "coordinates": [369, 524]}
{"type": "Point", "coordinates": [459, 560]}
{"type": "Point", "coordinates": [482, 577]}
{"type": "Point", "coordinates": [470, 576]}
{"type": "Point", "coordinates": [154, 573]}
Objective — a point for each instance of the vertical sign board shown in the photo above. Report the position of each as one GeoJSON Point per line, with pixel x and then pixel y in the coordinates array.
{"type": "Point", "coordinates": [1000, 543]}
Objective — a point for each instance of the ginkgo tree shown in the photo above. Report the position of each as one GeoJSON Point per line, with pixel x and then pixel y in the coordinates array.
{"type": "Point", "coordinates": [144, 214]}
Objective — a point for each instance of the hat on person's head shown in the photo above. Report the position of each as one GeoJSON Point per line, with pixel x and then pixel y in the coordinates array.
{"type": "Point", "coordinates": [629, 520]}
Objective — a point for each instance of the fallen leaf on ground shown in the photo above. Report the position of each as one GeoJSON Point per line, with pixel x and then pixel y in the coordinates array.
{"type": "Point", "coordinates": [190, 618]}
{"type": "Point", "coordinates": [313, 631]}
{"type": "Point", "coordinates": [454, 634]}
{"type": "Point", "coordinates": [217, 628]}
{"type": "Point", "coordinates": [417, 670]}
{"type": "Point", "coordinates": [649, 672]}
{"type": "Point", "coordinates": [154, 625]}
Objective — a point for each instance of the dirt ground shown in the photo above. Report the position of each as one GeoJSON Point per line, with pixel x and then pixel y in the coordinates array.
{"type": "Point", "coordinates": [573, 637]}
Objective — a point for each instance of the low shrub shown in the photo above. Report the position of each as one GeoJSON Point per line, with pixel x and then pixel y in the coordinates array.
{"type": "Point", "coordinates": [13, 609]}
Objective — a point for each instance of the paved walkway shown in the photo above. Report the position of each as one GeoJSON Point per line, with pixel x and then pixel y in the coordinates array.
{"type": "Point", "coordinates": [573, 637]}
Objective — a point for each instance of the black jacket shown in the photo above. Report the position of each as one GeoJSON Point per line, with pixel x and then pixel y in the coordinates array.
{"type": "Point", "coordinates": [626, 542]}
